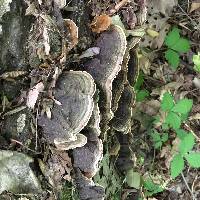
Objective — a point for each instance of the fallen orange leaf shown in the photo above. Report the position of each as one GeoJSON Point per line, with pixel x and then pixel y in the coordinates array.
{"type": "Point", "coordinates": [100, 23]}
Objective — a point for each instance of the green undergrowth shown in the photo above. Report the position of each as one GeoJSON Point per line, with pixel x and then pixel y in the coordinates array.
{"type": "Point", "coordinates": [108, 177]}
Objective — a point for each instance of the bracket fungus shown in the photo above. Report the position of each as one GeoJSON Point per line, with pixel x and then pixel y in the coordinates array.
{"type": "Point", "coordinates": [122, 119]}
{"type": "Point", "coordinates": [74, 90]}
{"type": "Point", "coordinates": [87, 188]}
{"type": "Point", "coordinates": [106, 65]}
{"type": "Point", "coordinates": [87, 158]}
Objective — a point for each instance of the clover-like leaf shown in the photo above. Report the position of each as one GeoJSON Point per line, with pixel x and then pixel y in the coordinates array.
{"type": "Point", "coordinates": [173, 120]}
{"type": "Point", "coordinates": [181, 133]}
{"type": "Point", "coordinates": [193, 159]}
{"type": "Point", "coordinates": [186, 144]}
{"type": "Point", "coordinates": [167, 102]}
{"type": "Point", "coordinates": [182, 45]}
{"type": "Point", "coordinates": [173, 58]}
{"type": "Point", "coordinates": [164, 137]}
{"type": "Point", "coordinates": [172, 37]}
{"type": "Point", "coordinates": [151, 188]}
{"type": "Point", "coordinates": [183, 106]}
{"type": "Point", "coordinates": [177, 165]}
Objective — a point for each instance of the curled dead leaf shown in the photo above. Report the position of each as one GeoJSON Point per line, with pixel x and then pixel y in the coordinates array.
{"type": "Point", "coordinates": [33, 94]}
{"type": "Point", "coordinates": [73, 32]}
{"type": "Point", "coordinates": [152, 33]}
{"type": "Point", "coordinates": [100, 23]}
{"type": "Point", "coordinates": [12, 74]}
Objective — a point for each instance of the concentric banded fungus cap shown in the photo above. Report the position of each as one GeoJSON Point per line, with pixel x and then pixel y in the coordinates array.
{"type": "Point", "coordinates": [87, 188]}
{"type": "Point", "coordinates": [122, 117]}
{"type": "Point", "coordinates": [74, 90]}
{"type": "Point", "coordinates": [106, 65]}
{"type": "Point", "coordinates": [87, 158]}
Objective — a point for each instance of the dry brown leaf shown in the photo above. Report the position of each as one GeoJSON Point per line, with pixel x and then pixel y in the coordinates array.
{"type": "Point", "coordinates": [152, 33]}
{"type": "Point", "coordinates": [194, 6]}
{"type": "Point", "coordinates": [73, 31]}
{"type": "Point", "coordinates": [61, 3]}
{"type": "Point", "coordinates": [169, 152]}
{"type": "Point", "coordinates": [196, 82]}
{"type": "Point", "coordinates": [100, 23]}
{"type": "Point", "coordinates": [163, 6]}
{"type": "Point", "coordinates": [172, 86]}
{"type": "Point", "coordinates": [118, 6]}
{"type": "Point", "coordinates": [195, 117]}
{"type": "Point", "coordinates": [149, 107]}
{"type": "Point", "coordinates": [31, 9]}
{"type": "Point", "coordinates": [12, 74]}
{"type": "Point", "coordinates": [33, 94]}
{"type": "Point", "coordinates": [144, 64]}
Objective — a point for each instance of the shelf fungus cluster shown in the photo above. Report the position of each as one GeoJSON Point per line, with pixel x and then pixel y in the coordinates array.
{"type": "Point", "coordinates": [89, 104]}
{"type": "Point", "coordinates": [84, 114]}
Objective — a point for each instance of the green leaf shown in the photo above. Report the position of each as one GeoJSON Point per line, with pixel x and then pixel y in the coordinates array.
{"type": "Point", "coordinates": [193, 159]}
{"type": "Point", "coordinates": [177, 165]}
{"type": "Point", "coordinates": [172, 37]}
{"type": "Point", "coordinates": [165, 137]}
{"type": "Point", "coordinates": [197, 68]}
{"type": "Point", "coordinates": [141, 95]}
{"type": "Point", "coordinates": [184, 116]}
{"type": "Point", "coordinates": [183, 106]}
{"type": "Point", "coordinates": [182, 45]}
{"type": "Point", "coordinates": [139, 81]}
{"type": "Point", "coordinates": [181, 133]}
{"type": "Point", "coordinates": [173, 58]}
{"type": "Point", "coordinates": [155, 136]}
{"type": "Point", "coordinates": [167, 102]}
{"type": "Point", "coordinates": [133, 179]}
{"type": "Point", "coordinates": [196, 61]}
{"type": "Point", "coordinates": [173, 120]}
{"type": "Point", "coordinates": [165, 126]}
{"type": "Point", "coordinates": [186, 144]}
{"type": "Point", "coordinates": [157, 145]}
{"type": "Point", "coordinates": [156, 119]}
{"type": "Point", "coordinates": [151, 188]}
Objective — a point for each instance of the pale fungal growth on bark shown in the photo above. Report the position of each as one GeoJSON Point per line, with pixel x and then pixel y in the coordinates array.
{"type": "Point", "coordinates": [79, 140]}
{"type": "Point", "coordinates": [74, 90]}
{"type": "Point", "coordinates": [21, 123]}
{"type": "Point", "coordinates": [16, 175]}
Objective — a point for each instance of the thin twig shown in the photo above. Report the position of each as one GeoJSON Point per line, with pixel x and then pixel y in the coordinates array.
{"type": "Point", "coordinates": [193, 197]}
{"type": "Point", "coordinates": [118, 6]}
{"type": "Point", "coordinates": [190, 129]}
{"type": "Point", "coordinates": [194, 23]}
{"type": "Point", "coordinates": [36, 130]}
{"type": "Point", "coordinates": [192, 188]}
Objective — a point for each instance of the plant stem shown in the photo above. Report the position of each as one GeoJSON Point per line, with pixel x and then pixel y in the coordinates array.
{"type": "Point", "coordinates": [193, 197]}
